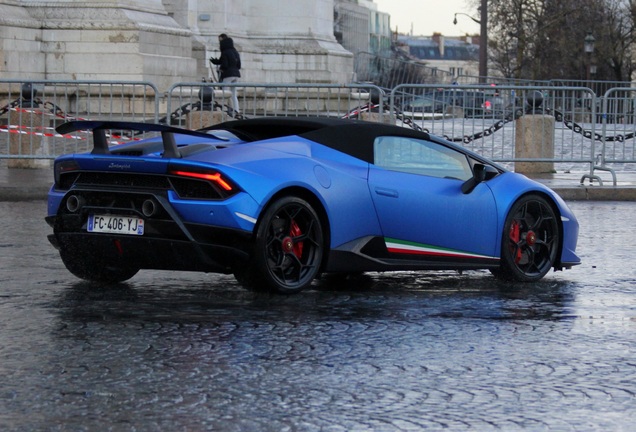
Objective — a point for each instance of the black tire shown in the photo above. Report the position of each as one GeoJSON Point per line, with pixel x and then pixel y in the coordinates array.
{"type": "Point", "coordinates": [89, 267]}
{"type": "Point", "coordinates": [247, 276]}
{"type": "Point", "coordinates": [531, 240]}
{"type": "Point", "coordinates": [288, 248]}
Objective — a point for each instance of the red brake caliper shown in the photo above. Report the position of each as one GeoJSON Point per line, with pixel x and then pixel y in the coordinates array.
{"type": "Point", "coordinates": [288, 243]}
{"type": "Point", "coordinates": [515, 235]}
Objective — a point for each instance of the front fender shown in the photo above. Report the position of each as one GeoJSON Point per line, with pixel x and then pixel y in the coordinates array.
{"type": "Point", "coordinates": [509, 187]}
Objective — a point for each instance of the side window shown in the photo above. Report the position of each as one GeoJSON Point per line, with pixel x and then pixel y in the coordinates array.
{"type": "Point", "coordinates": [421, 157]}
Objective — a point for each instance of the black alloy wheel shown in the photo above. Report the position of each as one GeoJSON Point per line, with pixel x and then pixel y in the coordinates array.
{"type": "Point", "coordinates": [288, 249]}
{"type": "Point", "coordinates": [531, 240]}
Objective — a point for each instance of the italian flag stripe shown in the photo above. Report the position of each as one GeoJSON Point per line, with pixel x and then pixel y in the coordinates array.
{"type": "Point", "coordinates": [406, 247]}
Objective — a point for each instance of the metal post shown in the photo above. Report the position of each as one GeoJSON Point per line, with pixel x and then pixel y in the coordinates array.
{"type": "Point", "coordinates": [483, 38]}
{"type": "Point", "coordinates": [588, 45]}
{"type": "Point", "coordinates": [483, 42]}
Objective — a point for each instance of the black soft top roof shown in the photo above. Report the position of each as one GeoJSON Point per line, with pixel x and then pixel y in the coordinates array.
{"type": "Point", "coordinates": [352, 137]}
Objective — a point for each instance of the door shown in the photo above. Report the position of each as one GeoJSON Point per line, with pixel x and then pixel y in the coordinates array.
{"type": "Point", "coordinates": [416, 188]}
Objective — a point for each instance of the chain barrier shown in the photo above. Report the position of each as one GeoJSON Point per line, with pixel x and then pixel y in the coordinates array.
{"type": "Point", "coordinates": [499, 124]}
{"type": "Point", "coordinates": [21, 104]}
{"type": "Point", "coordinates": [399, 115]}
{"type": "Point", "coordinates": [574, 126]}
{"type": "Point", "coordinates": [577, 128]}
{"type": "Point", "coordinates": [375, 107]}
{"type": "Point", "coordinates": [559, 117]}
{"type": "Point", "coordinates": [466, 139]}
{"type": "Point", "coordinates": [36, 106]}
{"type": "Point", "coordinates": [177, 115]}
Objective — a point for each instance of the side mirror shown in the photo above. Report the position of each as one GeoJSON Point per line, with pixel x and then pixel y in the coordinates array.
{"type": "Point", "coordinates": [481, 173]}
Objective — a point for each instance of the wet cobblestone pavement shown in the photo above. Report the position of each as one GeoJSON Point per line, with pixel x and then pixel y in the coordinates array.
{"type": "Point", "coordinates": [403, 351]}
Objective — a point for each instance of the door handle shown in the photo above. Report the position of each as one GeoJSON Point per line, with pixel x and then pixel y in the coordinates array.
{"type": "Point", "coordinates": [392, 193]}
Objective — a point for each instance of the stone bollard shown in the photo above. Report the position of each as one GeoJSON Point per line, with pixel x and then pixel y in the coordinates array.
{"type": "Point", "coordinates": [375, 117]}
{"type": "Point", "coordinates": [206, 117]}
{"type": "Point", "coordinates": [200, 119]}
{"type": "Point", "coordinates": [534, 138]}
{"type": "Point", "coordinates": [454, 111]}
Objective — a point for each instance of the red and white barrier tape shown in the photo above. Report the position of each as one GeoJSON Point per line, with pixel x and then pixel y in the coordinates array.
{"type": "Point", "coordinates": [26, 130]}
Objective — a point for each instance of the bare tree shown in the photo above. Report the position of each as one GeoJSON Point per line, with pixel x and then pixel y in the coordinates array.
{"type": "Point", "coordinates": [543, 39]}
{"type": "Point", "coordinates": [617, 40]}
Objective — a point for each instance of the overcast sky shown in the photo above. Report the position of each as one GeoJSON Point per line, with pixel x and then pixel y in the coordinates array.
{"type": "Point", "coordinates": [429, 16]}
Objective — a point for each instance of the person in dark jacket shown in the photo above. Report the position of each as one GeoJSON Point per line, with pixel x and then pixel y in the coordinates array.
{"type": "Point", "coordinates": [229, 66]}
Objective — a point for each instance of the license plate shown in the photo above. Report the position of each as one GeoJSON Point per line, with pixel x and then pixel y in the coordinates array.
{"type": "Point", "coordinates": [115, 224]}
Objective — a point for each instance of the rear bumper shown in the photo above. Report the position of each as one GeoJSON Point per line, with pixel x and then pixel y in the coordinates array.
{"type": "Point", "coordinates": [168, 242]}
{"type": "Point", "coordinates": [156, 253]}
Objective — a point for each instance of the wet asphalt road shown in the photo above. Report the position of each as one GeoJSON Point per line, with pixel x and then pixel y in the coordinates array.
{"type": "Point", "coordinates": [404, 351]}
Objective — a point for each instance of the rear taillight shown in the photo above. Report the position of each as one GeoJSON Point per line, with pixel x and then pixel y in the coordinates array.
{"type": "Point", "coordinates": [215, 177]}
{"type": "Point", "coordinates": [64, 167]}
{"type": "Point", "coordinates": [195, 182]}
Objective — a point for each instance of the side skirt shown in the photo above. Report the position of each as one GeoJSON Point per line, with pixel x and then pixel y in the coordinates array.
{"type": "Point", "coordinates": [380, 254]}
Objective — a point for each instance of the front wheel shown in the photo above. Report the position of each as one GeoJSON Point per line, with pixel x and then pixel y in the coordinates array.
{"type": "Point", "coordinates": [288, 249]}
{"type": "Point", "coordinates": [530, 242]}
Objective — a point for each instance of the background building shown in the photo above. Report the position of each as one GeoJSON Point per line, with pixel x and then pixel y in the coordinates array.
{"type": "Point", "coordinates": [171, 40]}
{"type": "Point", "coordinates": [361, 28]}
{"type": "Point", "coordinates": [455, 56]}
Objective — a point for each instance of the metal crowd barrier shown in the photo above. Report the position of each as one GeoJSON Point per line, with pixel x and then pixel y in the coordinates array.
{"type": "Point", "coordinates": [587, 130]}
{"type": "Point", "coordinates": [196, 105]}
{"type": "Point", "coordinates": [485, 119]}
{"type": "Point", "coordinates": [618, 131]}
{"type": "Point", "coordinates": [31, 110]}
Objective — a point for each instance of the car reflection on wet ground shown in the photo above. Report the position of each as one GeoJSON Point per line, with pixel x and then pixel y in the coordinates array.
{"type": "Point", "coordinates": [401, 351]}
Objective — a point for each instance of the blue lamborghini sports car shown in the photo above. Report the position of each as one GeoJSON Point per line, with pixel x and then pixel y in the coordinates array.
{"type": "Point", "coordinates": [279, 201]}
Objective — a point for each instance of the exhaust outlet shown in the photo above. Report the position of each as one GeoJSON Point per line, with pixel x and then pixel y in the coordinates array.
{"type": "Point", "coordinates": [149, 208]}
{"type": "Point", "coordinates": [74, 203]}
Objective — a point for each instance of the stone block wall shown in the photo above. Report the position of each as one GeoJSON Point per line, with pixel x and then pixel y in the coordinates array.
{"type": "Point", "coordinates": [86, 43]}
{"type": "Point", "coordinates": [20, 46]}
{"type": "Point", "coordinates": [281, 41]}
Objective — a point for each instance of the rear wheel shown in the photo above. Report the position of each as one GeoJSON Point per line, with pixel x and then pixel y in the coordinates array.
{"type": "Point", "coordinates": [88, 266]}
{"type": "Point", "coordinates": [530, 242]}
{"type": "Point", "coordinates": [288, 249]}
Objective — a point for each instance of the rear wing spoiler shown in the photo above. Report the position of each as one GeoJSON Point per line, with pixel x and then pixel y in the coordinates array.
{"type": "Point", "coordinates": [100, 142]}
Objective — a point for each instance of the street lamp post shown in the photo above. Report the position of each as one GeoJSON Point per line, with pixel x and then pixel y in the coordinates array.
{"type": "Point", "coordinates": [483, 38]}
{"type": "Point", "coordinates": [483, 41]}
{"type": "Point", "coordinates": [588, 45]}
